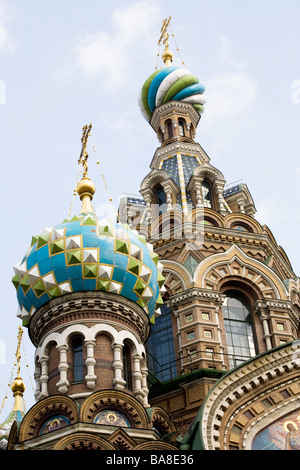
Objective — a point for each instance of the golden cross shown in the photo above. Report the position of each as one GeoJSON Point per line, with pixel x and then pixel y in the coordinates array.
{"type": "Point", "coordinates": [164, 35]}
{"type": "Point", "coordinates": [83, 159]}
{"type": "Point", "coordinates": [18, 353]}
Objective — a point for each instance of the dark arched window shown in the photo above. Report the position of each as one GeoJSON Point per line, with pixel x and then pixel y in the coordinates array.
{"type": "Point", "coordinates": [206, 193]}
{"type": "Point", "coordinates": [181, 128]}
{"type": "Point", "coordinates": [127, 366]}
{"type": "Point", "coordinates": [77, 348]}
{"type": "Point", "coordinates": [161, 199]}
{"type": "Point", "coordinates": [238, 328]}
{"type": "Point", "coordinates": [170, 129]}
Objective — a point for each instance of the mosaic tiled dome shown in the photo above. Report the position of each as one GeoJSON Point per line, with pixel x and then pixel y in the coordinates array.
{"type": "Point", "coordinates": [171, 84]}
{"type": "Point", "coordinates": [88, 254]}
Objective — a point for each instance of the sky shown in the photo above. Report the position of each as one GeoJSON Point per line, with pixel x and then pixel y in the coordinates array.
{"type": "Point", "coordinates": [67, 63]}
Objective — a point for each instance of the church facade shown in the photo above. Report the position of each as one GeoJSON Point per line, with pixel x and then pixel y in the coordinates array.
{"type": "Point", "coordinates": [176, 328]}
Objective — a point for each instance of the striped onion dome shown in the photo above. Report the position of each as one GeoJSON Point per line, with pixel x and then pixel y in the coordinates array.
{"type": "Point", "coordinates": [171, 84]}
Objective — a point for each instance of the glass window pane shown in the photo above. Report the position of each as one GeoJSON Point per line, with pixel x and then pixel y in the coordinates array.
{"type": "Point", "coordinates": [238, 328]}
{"type": "Point", "coordinates": [160, 347]}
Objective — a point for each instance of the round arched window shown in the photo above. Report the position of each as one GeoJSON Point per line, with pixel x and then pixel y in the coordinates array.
{"type": "Point", "coordinates": [238, 328]}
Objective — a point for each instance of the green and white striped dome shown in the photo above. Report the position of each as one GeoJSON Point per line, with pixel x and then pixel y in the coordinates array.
{"type": "Point", "coordinates": [171, 84]}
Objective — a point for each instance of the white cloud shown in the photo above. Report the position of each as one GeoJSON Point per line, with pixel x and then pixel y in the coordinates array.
{"type": "Point", "coordinates": [6, 41]}
{"type": "Point", "coordinates": [109, 54]}
{"type": "Point", "coordinates": [226, 53]}
{"type": "Point", "coordinates": [228, 95]}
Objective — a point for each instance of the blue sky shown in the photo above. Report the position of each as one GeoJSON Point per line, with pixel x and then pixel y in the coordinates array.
{"type": "Point", "coordinates": [67, 63]}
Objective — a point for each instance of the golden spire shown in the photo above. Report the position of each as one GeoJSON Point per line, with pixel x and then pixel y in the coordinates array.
{"type": "Point", "coordinates": [18, 386]}
{"type": "Point", "coordinates": [167, 55]}
{"type": "Point", "coordinates": [85, 187]}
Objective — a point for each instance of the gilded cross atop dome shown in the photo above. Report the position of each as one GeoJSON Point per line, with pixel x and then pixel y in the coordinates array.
{"type": "Point", "coordinates": [164, 38]}
{"type": "Point", "coordinates": [83, 158]}
{"type": "Point", "coordinates": [85, 187]}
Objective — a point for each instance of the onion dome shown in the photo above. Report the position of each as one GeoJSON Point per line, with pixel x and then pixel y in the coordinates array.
{"type": "Point", "coordinates": [88, 253]}
{"type": "Point", "coordinates": [171, 84]}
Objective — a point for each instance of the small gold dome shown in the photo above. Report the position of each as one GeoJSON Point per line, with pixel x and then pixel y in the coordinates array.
{"type": "Point", "coordinates": [167, 57]}
{"type": "Point", "coordinates": [86, 186]}
{"type": "Point", "coordinates": [18, 385]}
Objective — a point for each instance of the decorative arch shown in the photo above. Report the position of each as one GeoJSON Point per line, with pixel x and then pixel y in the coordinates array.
{"type": "Point", "coordinates": [83, 441]}
{"type": "Point", "coordinates": [247, 399]}
{"type": "Point", "coordinates": [206, 170]}
{"type": "Point", "coordinates": [173, 268]}
{"type": "Point", "coordinates": [154, 178]}
{"type": "Point", "coordinates": [88, 334]}
{"type": "Point", "coordinates": [235, 263]}
{"type": "Point", "coordinates": [167, 223]}
{"type": "Point", "coordinates": [160, 421]}
{"type": "Point", "coordinates": [44, 409]}
{"type": "Point", "coordinates": [206, 214]}
{"type": "Point", "coordinates": [242, 219]}
{"type": "Point", "coordinates": [117, 400]}
{"type": "Point", "coordinates": [155, 445]}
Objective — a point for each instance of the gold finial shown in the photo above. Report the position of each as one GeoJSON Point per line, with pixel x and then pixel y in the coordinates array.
{"type": "Point", "coordinates": [167, 55]}
{"type": "Point", "coordinates": [18, 386]}
{"type": "Point", "coordinates": [85, 187]}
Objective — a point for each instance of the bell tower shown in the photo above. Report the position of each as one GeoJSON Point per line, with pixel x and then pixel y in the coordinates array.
{"type": "Point", "coordinates": [230, 289]}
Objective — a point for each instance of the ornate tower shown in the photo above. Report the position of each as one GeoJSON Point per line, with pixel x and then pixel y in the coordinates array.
{"type": "Point", "coordinates": [231, 292]}
{"type": "Point", "coordinates": [17, 388]}
{"type": "Point", "coordinates": [88, 290]}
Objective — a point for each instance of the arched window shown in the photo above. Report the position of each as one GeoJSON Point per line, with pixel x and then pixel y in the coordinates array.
{"type": "Point", "coordinates": [127, 366]}
{"type": "Point", "coordinates": [170, 128]}
{"type": "Point", "coordinates": [206, 193]}
{"type": "Point", "coordinates": [161, 200]}
{"type": "Point", "coordinates": [181, 128]}
{"type": "Point", "coordinates": [238, 328]}
{"type": "Point", "coordinates": [77, 349]}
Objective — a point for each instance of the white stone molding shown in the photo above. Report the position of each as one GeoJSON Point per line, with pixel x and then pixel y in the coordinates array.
{"type": "Point", "coordinates": [137, 378]}
{"type": "Point", "coordinates": [90, 363]}
{"type": "Point", "coordinates": [118, 382]}
{"type": "Point", "coordinates": [236, 384]}
{"type": "Point", "coordinates": [63, 383]}
{"type": "Point", "coordinates": [44, 360]}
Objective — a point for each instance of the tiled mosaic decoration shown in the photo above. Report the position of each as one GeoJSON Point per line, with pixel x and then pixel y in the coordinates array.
{"type": "Point", "coordinates": [88, 254]}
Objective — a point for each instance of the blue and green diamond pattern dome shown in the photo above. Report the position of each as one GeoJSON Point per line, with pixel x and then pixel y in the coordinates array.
{"type": "Point", "coordinates": [88, 254]}
{"type": "Point", "coordinates": [171, 84]}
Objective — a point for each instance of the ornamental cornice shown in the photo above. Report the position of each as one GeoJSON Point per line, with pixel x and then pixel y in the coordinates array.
{"type": "Point", "coordinates": [234, 387]}
{"type": "Point", "coordinates": [196, 293]}
{"type": "Point", "coordinates": [179, 147]}
{"type": "Point", "coordinates": [91, 302]}
{"type": "Point", "coordinates": [264, 307]}
{"type": "Point", "coordinates": [167, 109]}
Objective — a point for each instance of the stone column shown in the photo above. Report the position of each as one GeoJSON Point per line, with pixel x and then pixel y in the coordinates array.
{"type": "Point", "coordinates": [90, 363]}
{"type": "Point", "coordinates": [267, 336]}
{"type": "Point", "coordinates": [137, 378]}
{"type": "Point", "coordinates": [144, 372]}
{"type": "Point", "coordinates": [118, 382]}
{"type": "Point", "coordinates": [44, 377]}
{"type": "Point", "coordinates": [37, 375]}
{"type": "Point", "coordinates": [63, 383]}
